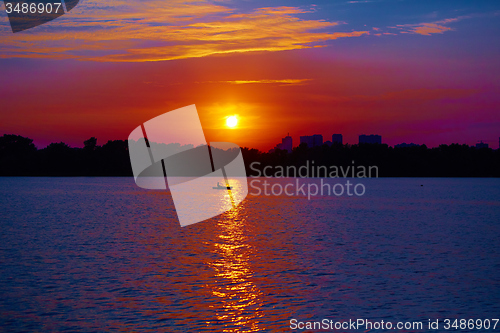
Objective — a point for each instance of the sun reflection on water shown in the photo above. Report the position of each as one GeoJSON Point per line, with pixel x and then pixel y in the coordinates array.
{"type": "Point", "coordinates": [241, 299]}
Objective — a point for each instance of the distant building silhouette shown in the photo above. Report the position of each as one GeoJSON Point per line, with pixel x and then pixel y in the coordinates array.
{"type": "Point", "coordinates": [481, 145]}
{"type": "Point", "coordinates": [406, 145]}
{"type": "Point", "coordinates": [337, 138]}
{"type": "Point", "coordinates": [372, 138]}
{"type": "Point", "coordinates": [318, 140]}
{"type": "Point", "coordinates": [308, 140]}
{"type": "Point", "coordinates": [286, 144]}
{"type": "Point", "coordinates": [312, 140]}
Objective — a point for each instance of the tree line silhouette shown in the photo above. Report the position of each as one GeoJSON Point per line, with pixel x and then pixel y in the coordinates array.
{"type": "Point", "coordinates": [20, 157]}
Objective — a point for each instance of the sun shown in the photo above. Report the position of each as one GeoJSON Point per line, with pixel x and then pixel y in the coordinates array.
{"type": "Point", "coordinates": [231, 121]}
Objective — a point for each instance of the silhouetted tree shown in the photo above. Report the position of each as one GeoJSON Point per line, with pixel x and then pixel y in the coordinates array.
{"type": "Point", "coordinates": [90, 144]}
{"type": "Point", "coordinates": [19, 157]}
{"type": "Point", "coordinates": [16, 155]}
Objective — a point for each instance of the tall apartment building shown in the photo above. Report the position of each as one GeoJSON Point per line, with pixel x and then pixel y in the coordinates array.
{"type": "Point", "coordinates": [312, 140]}
{"type": "Point", "coordinates": [286, 144]}
{"type": "Point", "coordinates": [337, 138]}
{"type": "Point", "coordinates": [372, 138]}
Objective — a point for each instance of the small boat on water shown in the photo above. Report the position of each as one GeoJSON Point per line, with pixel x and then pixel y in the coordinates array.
{"type": "Point", "coordinates": [219, 187]}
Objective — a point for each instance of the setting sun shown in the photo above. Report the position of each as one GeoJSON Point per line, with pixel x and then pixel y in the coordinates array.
{"type": "Point", "coordinates": [232, 121]}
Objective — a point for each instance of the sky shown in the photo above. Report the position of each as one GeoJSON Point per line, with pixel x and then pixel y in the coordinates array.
{"type": "Point", "coordinates": [425, 72]}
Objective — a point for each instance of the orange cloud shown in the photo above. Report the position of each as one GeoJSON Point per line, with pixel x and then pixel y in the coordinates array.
{"type": "Point", "coordinates": [428, 28]}
{"type": "Point", "coordinates": [156, 30]}
{"type": "Point", "coordinates": [283, 82]}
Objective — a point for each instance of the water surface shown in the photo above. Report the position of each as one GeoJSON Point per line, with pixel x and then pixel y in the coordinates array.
{"type": "Point", "coordinates": [100, 254]}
